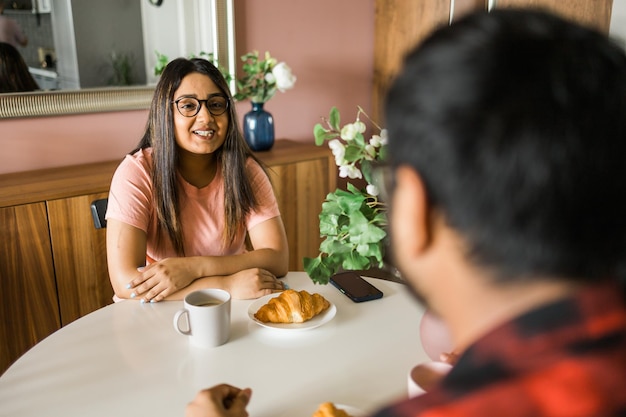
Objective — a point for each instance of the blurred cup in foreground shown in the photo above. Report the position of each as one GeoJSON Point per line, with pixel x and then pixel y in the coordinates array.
{"type": "Point", "coordinates": [423, 377]}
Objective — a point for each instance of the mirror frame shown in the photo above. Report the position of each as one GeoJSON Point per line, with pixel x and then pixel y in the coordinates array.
{"type": "Point", "coordinates": [108, 99]}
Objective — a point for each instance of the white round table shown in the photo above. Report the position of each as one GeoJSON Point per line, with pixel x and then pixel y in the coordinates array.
{"type": "Point", "coordinates": [126, 359]}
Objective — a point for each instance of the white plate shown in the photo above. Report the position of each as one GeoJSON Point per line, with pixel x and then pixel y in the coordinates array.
{"type": "Point", "coordinates": [322, 318]}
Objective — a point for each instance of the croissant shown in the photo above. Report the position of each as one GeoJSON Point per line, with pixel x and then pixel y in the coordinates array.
{"type": "Point", "coordinates": [329, 410]}
{"type": "Point", "coordinates": [292, 307]}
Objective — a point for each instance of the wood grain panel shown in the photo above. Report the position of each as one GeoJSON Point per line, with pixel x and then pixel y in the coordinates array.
{"type": "Point", "coordinates": [313, 180]}
{"type": "Point", "coordinates": [399, 26]}
{"type": "Point", "coordinates": [284, 182]}
{"type": "Point", "coordinates": [594, 13]}
{"type": "Point", "coordinates": [29, 310]}
{"type": "Point", "coordinates": [300, 190]}
{"type": "Point", "coordinates": [79, 257]}
{"type": "Point", "coordinates": [53, 183]}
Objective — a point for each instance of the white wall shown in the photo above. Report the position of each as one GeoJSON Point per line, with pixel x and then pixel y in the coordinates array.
{"type": "Point", "coordinates": [618, 21]}
{"type": "Point", "coordinates": [176, 29]}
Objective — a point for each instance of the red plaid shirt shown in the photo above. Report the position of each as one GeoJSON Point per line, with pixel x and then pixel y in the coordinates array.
{"type": "Point", "coordinates": [564, 359]}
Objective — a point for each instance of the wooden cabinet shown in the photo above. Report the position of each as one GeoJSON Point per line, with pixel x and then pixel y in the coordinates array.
{"type": "Point", "coordinates": [29, 303]}
{"type": "Point", "coordinates": [302, 176]}
{"type": "Point", "coordinates": [400, 25]}
{"type": "Point", "coordinates": [53, 261]}
{"type": "Point", "coordinates": [79, 253]}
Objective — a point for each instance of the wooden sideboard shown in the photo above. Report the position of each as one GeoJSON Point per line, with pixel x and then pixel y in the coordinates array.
{"type": "Point", "coordinates": [53, 266]}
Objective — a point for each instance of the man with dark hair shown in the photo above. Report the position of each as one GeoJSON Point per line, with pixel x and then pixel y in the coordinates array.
{"type": "Point", "coordinates": [507, 137]}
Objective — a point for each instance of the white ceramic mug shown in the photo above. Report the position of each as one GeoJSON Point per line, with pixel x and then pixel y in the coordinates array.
{"type": "Point", "coordinates": [424, 376]}
{"type": "Point", "coordinates": [207, 313]}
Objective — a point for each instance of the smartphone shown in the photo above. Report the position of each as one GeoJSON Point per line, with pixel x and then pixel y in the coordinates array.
{"type": "Point", "coordinates": [355, 287]}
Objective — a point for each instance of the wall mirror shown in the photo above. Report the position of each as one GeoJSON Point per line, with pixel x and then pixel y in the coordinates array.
{"type": "Point", "coordinates": [106, 99]}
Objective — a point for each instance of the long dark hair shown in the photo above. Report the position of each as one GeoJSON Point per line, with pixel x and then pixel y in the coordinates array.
{"type": "Point", "coordinates": [14, 74]}
{"type": "Point", "coordinates": [239, 197]}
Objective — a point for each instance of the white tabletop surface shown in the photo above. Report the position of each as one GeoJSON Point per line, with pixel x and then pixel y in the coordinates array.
{"type": "Point", "coordinates": [126, 359]}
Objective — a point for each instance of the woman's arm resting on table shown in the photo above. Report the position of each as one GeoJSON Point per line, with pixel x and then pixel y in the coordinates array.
{"type": "Point", "coordinates": [126, 251]}
{"type": "Point", "coordinates": [248, 275]}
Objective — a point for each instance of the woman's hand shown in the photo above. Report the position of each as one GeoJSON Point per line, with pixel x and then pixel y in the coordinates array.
{"type": "Point", "coordinates": [220, 401]}
{"type": "Point", "coordinates": [160, 279]}
{"type": "Point", "coordinates": [252, 283]}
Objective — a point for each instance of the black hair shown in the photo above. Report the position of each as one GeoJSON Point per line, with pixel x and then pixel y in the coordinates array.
{"type": "Point", "coordinates": [14, 74]}
{"type": "Point", "coordinates": [516, 122]}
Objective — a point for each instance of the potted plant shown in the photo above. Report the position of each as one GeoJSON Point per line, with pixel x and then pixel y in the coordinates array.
{"type": "Point", "coordinates": [262, 79]}
{"type": "Point", "coordinates": [352, 221]}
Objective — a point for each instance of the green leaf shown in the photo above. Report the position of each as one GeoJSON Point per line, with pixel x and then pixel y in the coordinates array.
{"type": "Point", "coordinates": [352, 188]}
{"type": "Point", "coordinates": [377, 250]}
{"type": "Point", "coordinates": [320, 269]}
{"type": "Point", "coordinates": [331, 206]}
{"type": "Point", "coordinates": [373, 251]}
{"type": "Point", "coordinates": [359, 140]}
{"type": "Point", "coordinates": [351, 203]}
{"type": "Point", "coordinates": [362, 232]}
{"type": "Point", "coordinates": [335, 247]}
{"type": "Point", "coordinates": [334, 119]}
{"type": "Point", "coordinates": [329, 224]}
{"type": "Point", "coordinates": [382, 153]}
{"type": "Point", "coordinates": [355, 261]}
{"type": "Point", "coordinates": [353, 152]}
{"type": "Point", "coordinates": [380, 219]}
{"type": "Point", "coordinates": [319, 132]}
{"type": "Point", "coordinates": [366, 169]}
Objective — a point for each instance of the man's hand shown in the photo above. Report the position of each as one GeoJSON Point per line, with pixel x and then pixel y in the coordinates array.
{"type": "Point", "coordinates": [220, 401]}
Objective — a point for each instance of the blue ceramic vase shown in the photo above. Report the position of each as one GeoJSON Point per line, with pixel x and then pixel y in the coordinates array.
{"type": "Point", "coordinates": [258, 128]}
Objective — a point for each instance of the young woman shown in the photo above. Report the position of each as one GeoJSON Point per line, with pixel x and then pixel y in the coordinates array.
{"type": "Point", "coordinates": [181, 205]}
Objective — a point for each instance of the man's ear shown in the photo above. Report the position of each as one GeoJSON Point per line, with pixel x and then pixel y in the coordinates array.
{"type": "Point", "coordinates": [411, 212]}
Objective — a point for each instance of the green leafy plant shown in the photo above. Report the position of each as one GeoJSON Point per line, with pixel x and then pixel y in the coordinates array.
{"type": "Point", "coordinates": [163, 60]}
{"type": "Point", "coordinates": [352, 221]}
{"type": "Point", "coordinates": [122, 67]}
{"type": "Point", "coordinates": [263, 78]}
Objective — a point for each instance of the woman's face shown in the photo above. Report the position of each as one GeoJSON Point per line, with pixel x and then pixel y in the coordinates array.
{"type": "Point", "coordinates": [203, 133]}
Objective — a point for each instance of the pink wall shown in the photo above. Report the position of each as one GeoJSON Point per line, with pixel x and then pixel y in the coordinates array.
{"type": "Point", "coordinates": [327, 43]}
{"type": "Point", "coordinates": [329, 46]}
{"type": "Point", "coordinates": [46, 142]}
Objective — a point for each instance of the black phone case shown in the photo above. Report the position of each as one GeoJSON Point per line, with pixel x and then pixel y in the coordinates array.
{"type": "Point", "coordinates": [355, 287]}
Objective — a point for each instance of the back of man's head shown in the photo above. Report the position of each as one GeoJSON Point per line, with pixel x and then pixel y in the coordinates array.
{"type": "Point", "coordinates": [516, 123]}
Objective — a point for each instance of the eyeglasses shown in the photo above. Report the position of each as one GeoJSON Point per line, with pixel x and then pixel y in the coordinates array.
{"type": "Point", "coordinates": [190, 106]}
{"type": "Point", "coordinates": [383, 177]}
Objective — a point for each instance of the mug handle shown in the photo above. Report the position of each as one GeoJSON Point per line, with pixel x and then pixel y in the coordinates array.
{"type": "Point", "coordinates": [177, 317]}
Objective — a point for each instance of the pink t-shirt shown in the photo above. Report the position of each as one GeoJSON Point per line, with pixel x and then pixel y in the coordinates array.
{"type": "Point", "coordinates": [202, 209]}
